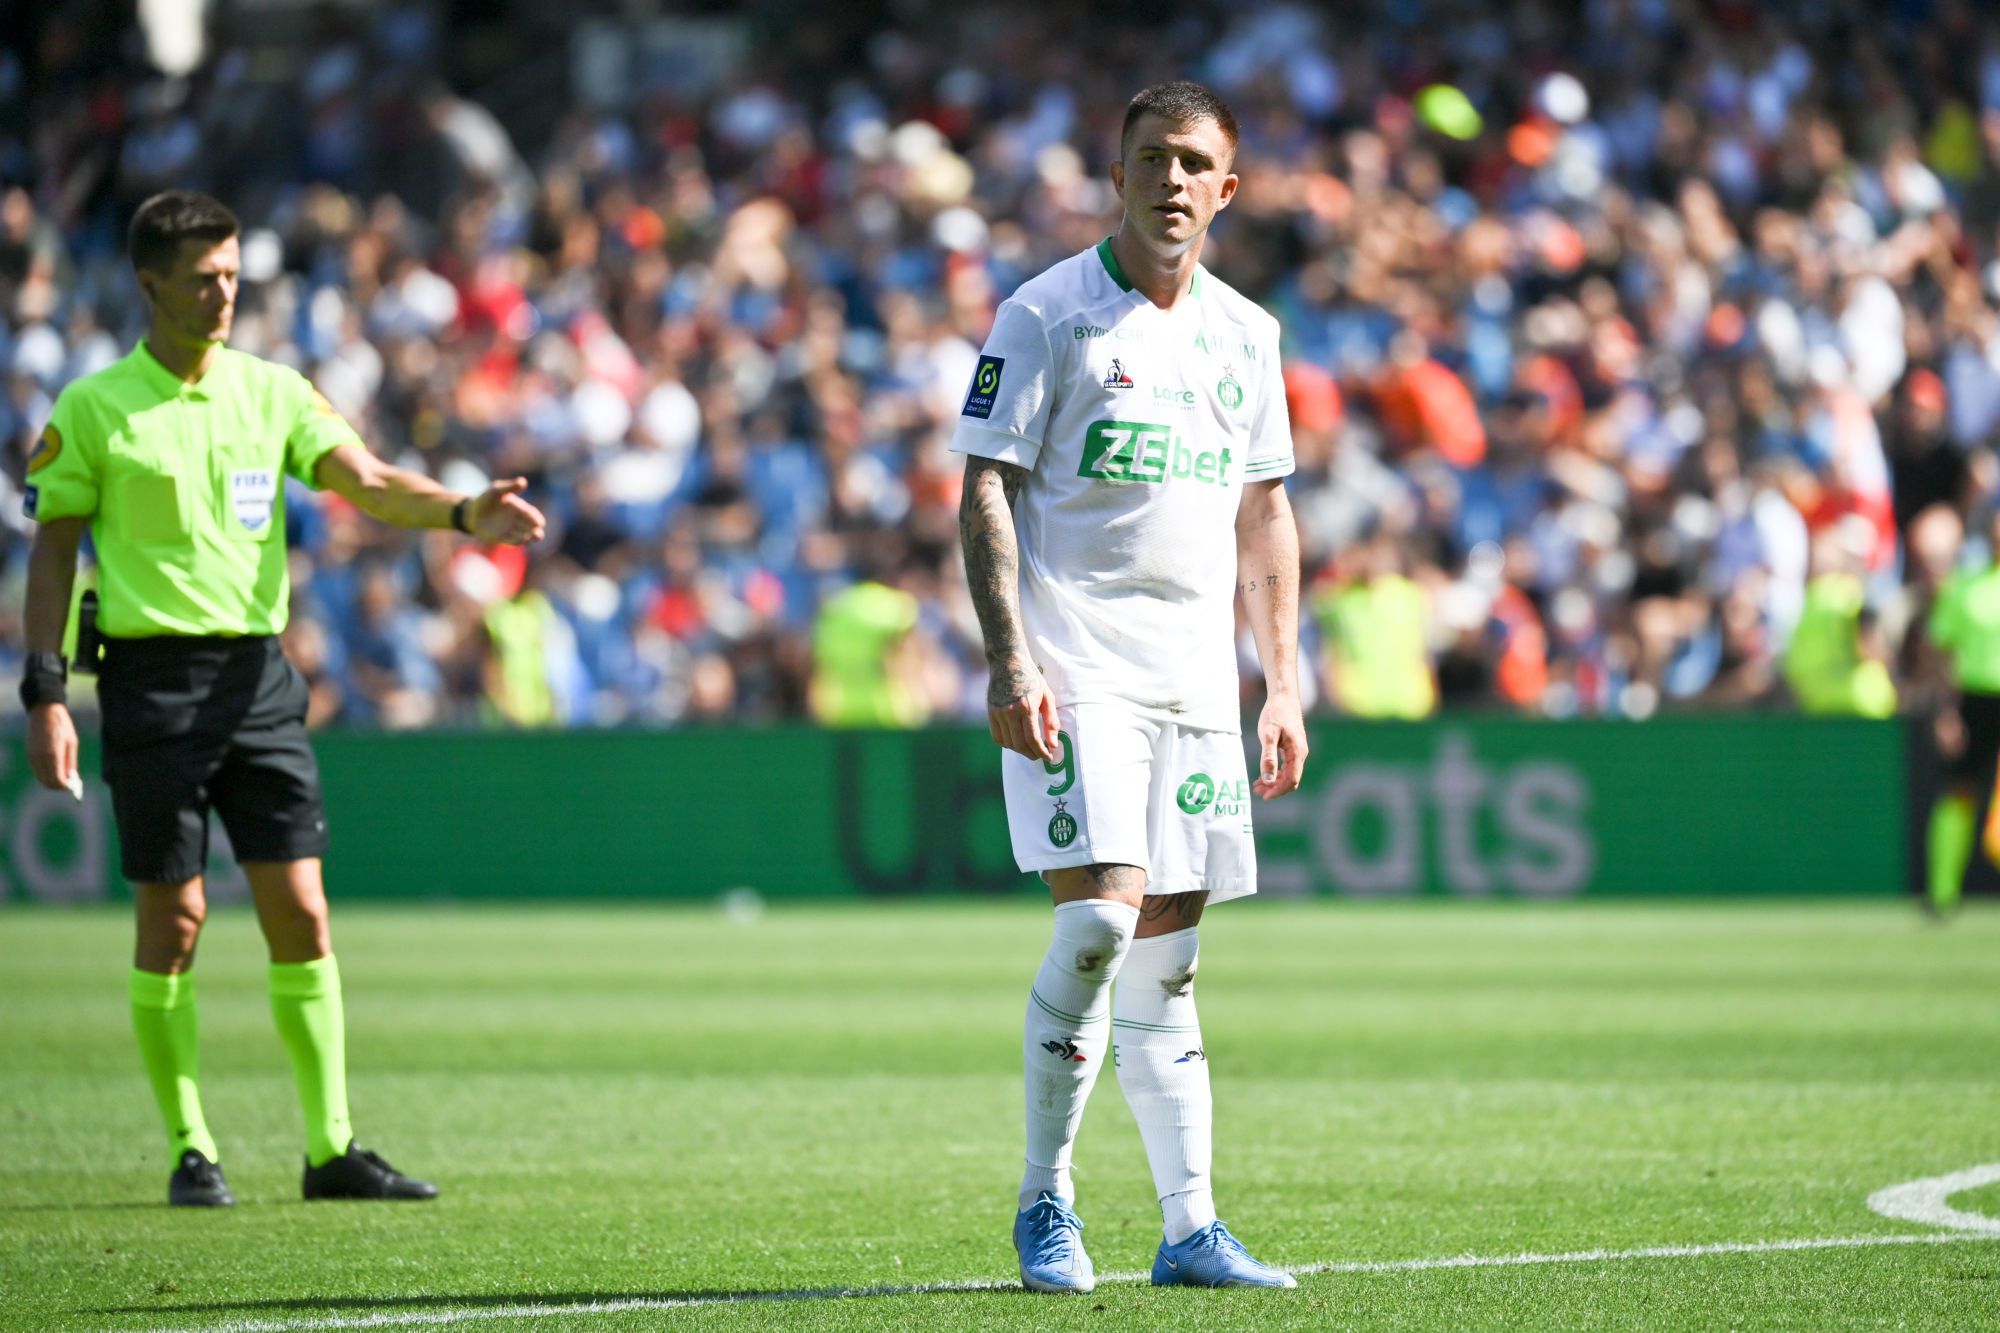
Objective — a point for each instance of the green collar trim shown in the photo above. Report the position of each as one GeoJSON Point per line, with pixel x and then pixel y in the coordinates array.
{"type": "Point", "coordinates": [1111, 265]}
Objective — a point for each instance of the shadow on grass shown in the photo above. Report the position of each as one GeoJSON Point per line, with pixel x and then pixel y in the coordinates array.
{"type": "Point", "coordinates": [553, 1301]}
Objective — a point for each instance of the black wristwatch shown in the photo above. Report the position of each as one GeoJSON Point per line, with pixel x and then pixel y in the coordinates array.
{"type": "Point", "coordinates": [44, 680]}
{"type": "Point", "coordinates": [458, 516]}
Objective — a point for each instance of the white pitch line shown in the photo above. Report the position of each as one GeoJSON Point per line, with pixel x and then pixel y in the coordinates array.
{"type": "Point", "coordinates": [1926, 1200]}
{"type": "Point", "coordinates": [474, 1314]}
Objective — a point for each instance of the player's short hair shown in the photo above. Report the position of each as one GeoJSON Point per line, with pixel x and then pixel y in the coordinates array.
{"type": "Point", "coordinates": [1182, 102]}
{"type": "Point", "coordinates": [173, 216]}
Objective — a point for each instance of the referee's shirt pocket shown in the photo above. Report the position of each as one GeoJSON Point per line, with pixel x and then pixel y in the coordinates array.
{"type": "Point", "coordinates": [148, 504]}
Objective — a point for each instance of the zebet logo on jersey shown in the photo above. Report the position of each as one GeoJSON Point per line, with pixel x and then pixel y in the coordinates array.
{"type": "Point", "coordinates": [1149, 452]}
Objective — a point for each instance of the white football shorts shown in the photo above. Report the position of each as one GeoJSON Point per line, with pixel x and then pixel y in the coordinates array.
{"type": "Point", "coordinates": [1129, 790]}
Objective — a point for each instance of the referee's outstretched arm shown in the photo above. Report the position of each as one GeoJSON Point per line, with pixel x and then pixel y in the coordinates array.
{"type": "Point", "coordinates": [51, 575]}
{"type": "Point", "coordinates": [412, 500]}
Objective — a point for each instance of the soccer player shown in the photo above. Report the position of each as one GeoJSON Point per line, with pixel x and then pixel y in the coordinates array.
{"type": "Point", "coordinates": [1127, 438]}
{"type": "Point", "coordinates": [174, 458]}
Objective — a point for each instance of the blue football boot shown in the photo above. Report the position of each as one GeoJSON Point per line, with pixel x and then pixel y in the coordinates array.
{"type": "Point", "coordinates": [1211, 1257]}
{"type": "Point", "coordinates": [1049, 1238]}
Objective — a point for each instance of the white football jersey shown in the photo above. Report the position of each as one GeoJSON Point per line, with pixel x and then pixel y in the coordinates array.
{"type": "Point", "coordinates": [1138, 428]}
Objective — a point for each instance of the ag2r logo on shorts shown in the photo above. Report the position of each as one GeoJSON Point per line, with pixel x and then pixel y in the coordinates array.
{"type": "Point", "coordinates": [1195, 793]}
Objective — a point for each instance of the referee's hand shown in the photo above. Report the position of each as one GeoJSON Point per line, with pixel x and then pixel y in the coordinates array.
{"type": "Point", "coordinates": [499, 514]}
{"type": "Point", "coordinates": [52, 746]}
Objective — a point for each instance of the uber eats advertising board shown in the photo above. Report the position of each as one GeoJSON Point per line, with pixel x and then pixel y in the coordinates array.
{"type": "Point", "coordinates": [1458, 807]}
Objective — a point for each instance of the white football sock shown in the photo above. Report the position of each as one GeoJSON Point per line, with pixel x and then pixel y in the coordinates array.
{"type": "Point", "coordinates": [1164, 1073]}
{"type": "Point", "coordinates": [1066, 1035]}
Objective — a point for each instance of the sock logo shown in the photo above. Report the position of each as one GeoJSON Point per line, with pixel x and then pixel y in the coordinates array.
{"type": "Point", "coordinates": [1196, 1054]}
{"type": "Point", "coordinates": [1064, 1050]}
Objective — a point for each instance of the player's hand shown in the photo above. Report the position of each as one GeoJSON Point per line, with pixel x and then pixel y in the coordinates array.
{"type": "Point", "coordinates": [52, 746]}
{"type": "Point", "coordinates": [499, 514]}
{"type": "Point", "coordinates": [1021, 713]}
{"type": "Point", "coordinates": [1281, 741]}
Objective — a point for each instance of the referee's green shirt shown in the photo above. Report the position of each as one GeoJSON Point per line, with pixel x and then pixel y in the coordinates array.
{"type": "Point", "coordinates": [1966, 623]}
{"type": "Point", "coordinates": [183, 485]}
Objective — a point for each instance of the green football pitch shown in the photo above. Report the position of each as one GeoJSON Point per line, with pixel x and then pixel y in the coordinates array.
{"type": "Point", "coordinates": [1667, 1116]}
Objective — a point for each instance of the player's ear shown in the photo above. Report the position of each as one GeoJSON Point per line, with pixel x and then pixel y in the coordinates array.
{"type": "Point", "coordinates": [1228, 191]}
{"type": "Point", "coordinates": [1118, 178]}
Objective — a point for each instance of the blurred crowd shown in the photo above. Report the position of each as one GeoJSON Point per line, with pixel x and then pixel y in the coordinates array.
{"type": "Point", "coordinates": [1640, 353]}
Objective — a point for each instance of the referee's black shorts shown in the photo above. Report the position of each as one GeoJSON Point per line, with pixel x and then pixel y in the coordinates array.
{"type": "Point", "coordinates": [194, 724]}
{"type": "Point", "coordinates": [1981, 715]}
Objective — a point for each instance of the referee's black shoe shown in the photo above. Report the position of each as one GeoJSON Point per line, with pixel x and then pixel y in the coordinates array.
{"type": "Point", "coordinates": [198, 1183]}
{"type": "Point", "coordinates": [360, 1174]}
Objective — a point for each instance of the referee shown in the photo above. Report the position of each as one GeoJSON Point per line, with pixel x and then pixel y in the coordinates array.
{"type": "Point", "coordinates": [1965, 629]}
{"type": "Point", "coordinates": [175, 459]}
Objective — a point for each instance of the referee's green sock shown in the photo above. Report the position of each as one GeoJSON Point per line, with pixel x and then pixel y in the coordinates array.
{"type": "Point", "coordinates": [1950, 848]}
{"type": "Point", "coordinates": [163, 1019]}
{"type": "Point", "coordinates": [305, 1004]}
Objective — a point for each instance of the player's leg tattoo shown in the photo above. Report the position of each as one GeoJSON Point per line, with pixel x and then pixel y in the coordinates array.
{"type": "Point", "coordinates": [1066, 1034]}
{"type": "Point", "coordinates": [1163, 1069]}
{"type": "Point", "coordinates": [1164, 913]}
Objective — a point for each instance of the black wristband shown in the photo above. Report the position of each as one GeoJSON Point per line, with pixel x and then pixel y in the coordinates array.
{"type": "Point", "coordinates": [458, 516]}
{"type": "Point", "coordinates": [44, 680]}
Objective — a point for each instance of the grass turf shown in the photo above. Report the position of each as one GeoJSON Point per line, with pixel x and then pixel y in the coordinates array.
{"type": "Point", "coordinates": [654, 1104]}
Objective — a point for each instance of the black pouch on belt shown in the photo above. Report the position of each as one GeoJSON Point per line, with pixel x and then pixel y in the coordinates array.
{"type": "Point", "coordinates": [89, 643]}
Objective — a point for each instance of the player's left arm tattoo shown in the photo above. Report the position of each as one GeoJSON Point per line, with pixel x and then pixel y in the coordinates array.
{"type": "Point", "coordinates": [993, 573]}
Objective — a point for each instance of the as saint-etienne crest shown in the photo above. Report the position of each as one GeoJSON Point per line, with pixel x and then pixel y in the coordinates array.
{"type": "Point", "coordinates": [1228, 390]}
{"type": "Point", "coordinates": [1062, 826]}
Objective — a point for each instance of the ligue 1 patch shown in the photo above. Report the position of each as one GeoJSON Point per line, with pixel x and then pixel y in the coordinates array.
{"type": "Point", "coordinates": [31, 500]}
{"type": "Point", "coordinates": [985, 387]}
{"type": "Point", "coordinates": [45, 450]}
{"type": "Point", "coordinates": [252, 492]}
{"type": "Point", "coordinates": [1228, 390]}
{"type": "Point", "coordinates": [1116, 378]}
{"type": "Point", "coordinates": [1062, 827]}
